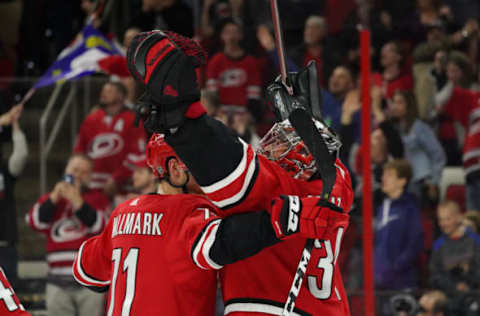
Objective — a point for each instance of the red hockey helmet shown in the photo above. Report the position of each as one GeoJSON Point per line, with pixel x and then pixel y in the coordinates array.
{"type": "Point", "coordinates": [283, 145]}
{"type": "Point", "coordinates": [158, 155]}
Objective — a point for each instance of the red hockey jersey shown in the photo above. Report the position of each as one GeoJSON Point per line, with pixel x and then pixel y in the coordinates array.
{"type": "Point", "coordinates": [259, 285]}
{"type": "Point", "coordinates": [145, 257]}
{"type": "Point", "coordinates": [9, 302]}
{"type": "Point", "coordinates": [109, 141]}
{"type": "Point", "coordinates": [403, 82]}
{"type": "Point", "coordinates": [65, 232]}
{"type": "Point", "coordinates": [235, 80]}
{"type": "Point", "coordinates": [464, 107]}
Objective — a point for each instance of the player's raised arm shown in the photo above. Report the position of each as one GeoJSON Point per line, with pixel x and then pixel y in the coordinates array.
{"type": "Point", "coordinates": [171, 106]}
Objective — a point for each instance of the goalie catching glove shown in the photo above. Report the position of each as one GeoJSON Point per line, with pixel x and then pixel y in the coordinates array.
{"type": "Point", "coordinates": [311, 217]}
{"type": "Point", "coordinates": [166, 64]}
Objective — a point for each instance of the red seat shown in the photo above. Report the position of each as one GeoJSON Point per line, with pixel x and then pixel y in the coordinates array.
{"type": "Point", "coordinates": [456, 192]}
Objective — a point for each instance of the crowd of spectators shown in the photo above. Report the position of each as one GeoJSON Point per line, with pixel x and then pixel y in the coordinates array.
{"type": "Point", "coordinates": [425, 91]}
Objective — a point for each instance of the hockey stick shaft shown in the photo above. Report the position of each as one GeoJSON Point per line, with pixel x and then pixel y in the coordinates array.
{"type": "Point", "coordinates": [298, 278]}
{"type": "Point", "coordinates": [279, 44]}
{"type": "Point", "coordinates": [307, 131]}
{"type": "Point", "coordinates": [305, 128]}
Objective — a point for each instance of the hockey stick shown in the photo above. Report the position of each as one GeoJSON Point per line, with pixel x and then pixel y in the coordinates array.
{"type": "Point", "coordinates": [308, 132]}
{"type": "Point", "coordinates": [279, 44]}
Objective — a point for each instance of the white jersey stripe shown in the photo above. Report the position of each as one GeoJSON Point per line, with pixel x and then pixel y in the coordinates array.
{"type": "Point", "coordinates": [36, 218]}
{"type": "Point", "coordinates": [198, 246]}
{"type": "Point", "coordinates": [237, 197]}
{"type": "Point", "coordinates": [232, 176]}
{"type": "Point", "coordinates": [60, 271]}
{"type": "Point", "coordinates": [83, 275]}
{"type": "Point", "coordinates": [255, 308]}
{"type": "Point", "coordinates": [61, 256]}
{"type": "Point", "coordinates": [338, 294]}
{"type": "Point", "coordinates": [208, 244]}
{"type": "Point", "coordinates": [97, 226]}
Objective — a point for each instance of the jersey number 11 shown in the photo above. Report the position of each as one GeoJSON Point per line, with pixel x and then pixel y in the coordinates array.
{"type": "Point", "coordinates": [130, 267]}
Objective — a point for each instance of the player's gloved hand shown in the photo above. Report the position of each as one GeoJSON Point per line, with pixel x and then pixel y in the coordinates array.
{"type": "Point", "coordinates": [310, 217]}
{"type": "Point", "coordinates": [158, 119]}
{"type": "Point", "coordinates": [306, 93]}
{"type": "Point", "coordinates": [165, 64]}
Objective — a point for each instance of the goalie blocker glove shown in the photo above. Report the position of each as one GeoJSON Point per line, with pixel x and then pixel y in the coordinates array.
{"type": "Point", "coordinates": [311, 217]}
{"type": "Point", "coordinates": [306, 94]}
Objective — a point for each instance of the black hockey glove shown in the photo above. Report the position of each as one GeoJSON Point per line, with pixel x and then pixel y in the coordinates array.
{"type": "Point", "coordinates": [311, 217]}
{"type": "Point", "coordinates": [306, 94]}
{"type": "Point", "coordinates": [165, 64]}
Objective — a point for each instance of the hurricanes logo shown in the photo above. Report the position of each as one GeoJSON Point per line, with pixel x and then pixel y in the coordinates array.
{"type": "Point", "coordinates": [67, 229]}
{"type": "Point", "coordinates": [106, 145]}
{"type": "Point", "coordinates": [233, 78]}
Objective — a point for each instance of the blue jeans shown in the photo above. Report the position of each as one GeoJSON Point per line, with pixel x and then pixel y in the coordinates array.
{"type": "Point", "coordinates": [473, 194]}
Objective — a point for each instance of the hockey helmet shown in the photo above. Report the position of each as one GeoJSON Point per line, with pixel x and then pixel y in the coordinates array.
{"type": "Point", "coordinates": [158, 155]}
{"type": "Point", "coordinates": [283, 145]}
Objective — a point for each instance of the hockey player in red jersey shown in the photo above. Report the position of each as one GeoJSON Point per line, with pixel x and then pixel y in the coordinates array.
{"type": "Point", "coordinates": [9, 302]}
{"type": "Point", "coordinates": [237, 180]}
{"type": "Point", "coordinates": [159, 252]}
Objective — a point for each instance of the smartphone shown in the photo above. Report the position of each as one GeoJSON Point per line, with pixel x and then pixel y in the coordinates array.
{"type": "Point", "coordinates": [68, 178]}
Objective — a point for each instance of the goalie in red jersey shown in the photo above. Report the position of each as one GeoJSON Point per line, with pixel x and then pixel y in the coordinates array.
{"type": "Point", "coordinates": [159, 252]}
{"type": "Point", "coordinates": [238, 180]}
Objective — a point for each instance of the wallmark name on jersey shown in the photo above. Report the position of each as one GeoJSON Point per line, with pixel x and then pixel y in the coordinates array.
{"type": "Point", "coordinates": [139, 223]}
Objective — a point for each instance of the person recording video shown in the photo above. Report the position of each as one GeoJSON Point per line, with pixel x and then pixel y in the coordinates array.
{"type": "Point", "coordinates": [68, 215]}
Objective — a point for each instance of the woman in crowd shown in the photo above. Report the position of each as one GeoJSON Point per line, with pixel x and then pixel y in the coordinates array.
{"type": "Point", "coordinates": [422, 148]}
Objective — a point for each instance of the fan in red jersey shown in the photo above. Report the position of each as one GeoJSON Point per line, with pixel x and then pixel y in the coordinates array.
{"type": "Point", "coordinates": [238, 180]}
{"type": "Point", "coordinates": [67, 216]}
{"type": "Point", "coordinates": [9, 302]}
{"type": "Point", "coordinates": [158, 253]}
{"type": "Point", "coordinates": [234, 75]}
{"type": "Point", "coordinates": [107, 135]}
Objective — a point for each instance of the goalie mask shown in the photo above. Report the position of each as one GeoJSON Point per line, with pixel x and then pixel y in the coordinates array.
{"type": "Point", "coordinates": [159, 154]}
{"type": "Point", "coordinates": [283, 145]}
